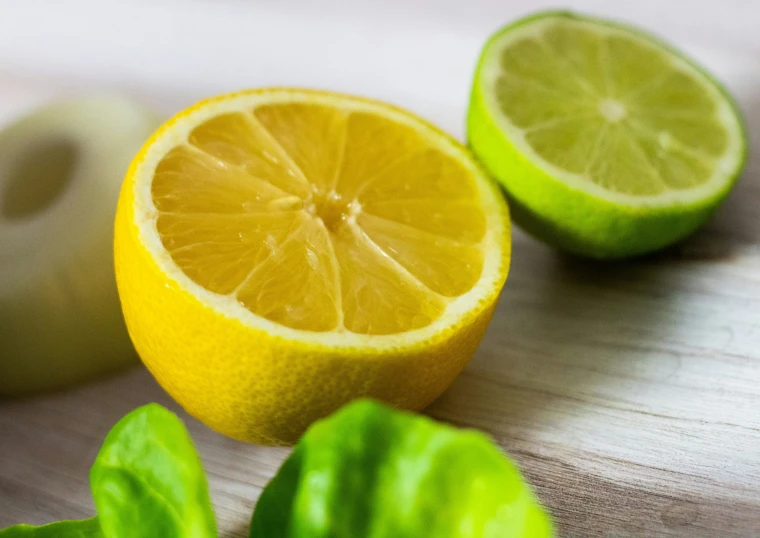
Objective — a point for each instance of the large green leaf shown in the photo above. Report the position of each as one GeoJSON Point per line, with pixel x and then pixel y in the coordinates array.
{"type": "Point", "coordinates": [372, 472]}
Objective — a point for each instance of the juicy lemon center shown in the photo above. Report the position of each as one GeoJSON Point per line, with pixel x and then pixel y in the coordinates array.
{"type": "Point", "coordinates": [321, 219]}
{"type": "Point", "coordinates": [332, 209]}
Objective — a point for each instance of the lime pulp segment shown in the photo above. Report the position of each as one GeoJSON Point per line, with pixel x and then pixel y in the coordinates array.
{"type": "Point", "coordinates": [610, 111]}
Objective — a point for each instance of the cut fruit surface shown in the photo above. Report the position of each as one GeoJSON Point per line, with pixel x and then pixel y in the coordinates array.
{"type": "Point", "coordinates": [331, 222]}
{"type": "Point", "coordinates": [610, 142]}
{"type": "Point", "coordinates": [321, 218]}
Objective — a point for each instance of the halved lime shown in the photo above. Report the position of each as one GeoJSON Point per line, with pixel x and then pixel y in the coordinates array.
{"type": "Point", "coordinates": [608, 142]}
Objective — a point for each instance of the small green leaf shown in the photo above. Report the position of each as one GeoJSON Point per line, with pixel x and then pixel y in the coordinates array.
{"type": "Point", "coordinates": [373, 472]}
{"type": "Point", "coordinates": [86, 528]}
{"type": "Point", "coordinates": [148, 481]}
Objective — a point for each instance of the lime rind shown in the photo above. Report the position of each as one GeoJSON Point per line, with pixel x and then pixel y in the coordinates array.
{"type": "Point", "coordinates": [572, 212]}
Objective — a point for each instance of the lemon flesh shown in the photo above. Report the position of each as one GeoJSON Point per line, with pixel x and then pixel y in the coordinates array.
{"type": "Point", "coordinates": [320, 218]}
{"type": "Point", "coordinates": [281, 252]}
{"type": "Point", "coordinates": [610, 143]}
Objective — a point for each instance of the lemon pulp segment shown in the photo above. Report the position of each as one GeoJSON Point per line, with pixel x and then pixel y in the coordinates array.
{"type": "Point", "coordinates": [320, 218]}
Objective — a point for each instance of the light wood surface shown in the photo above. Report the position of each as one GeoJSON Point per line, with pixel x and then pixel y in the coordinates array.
{"type": "Point", "coordinates": [629, 393]}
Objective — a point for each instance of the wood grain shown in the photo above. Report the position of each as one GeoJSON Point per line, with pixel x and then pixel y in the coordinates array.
{"type": "Point", "coordinates": [628, 392]}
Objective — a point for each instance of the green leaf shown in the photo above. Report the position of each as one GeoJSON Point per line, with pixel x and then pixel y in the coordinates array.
{"type": "Point", "coordinates": [86, 528]}
{"type": "Point", "coordinates": [373, 472]}
{"type": "Point", "coordinates": [148, 481]}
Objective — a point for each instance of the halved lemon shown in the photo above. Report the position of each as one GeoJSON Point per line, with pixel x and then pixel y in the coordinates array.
{"type": "Point", "coordinates": [280, 252]}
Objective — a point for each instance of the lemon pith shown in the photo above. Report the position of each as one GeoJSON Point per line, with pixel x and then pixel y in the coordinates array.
{"type": "Point", "coordinates": [280, 252]}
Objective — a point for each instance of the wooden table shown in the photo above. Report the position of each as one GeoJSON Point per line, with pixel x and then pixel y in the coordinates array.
{"type": "Point", "coordinates": [629, 393]}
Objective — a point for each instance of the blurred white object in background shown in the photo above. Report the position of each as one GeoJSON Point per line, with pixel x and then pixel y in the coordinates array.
{"type": "Point", "coordinates": [61, 169]}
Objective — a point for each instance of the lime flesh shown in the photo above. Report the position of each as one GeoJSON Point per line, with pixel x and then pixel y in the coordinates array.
{"type": "Point", "coordinates": [609, 143]}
